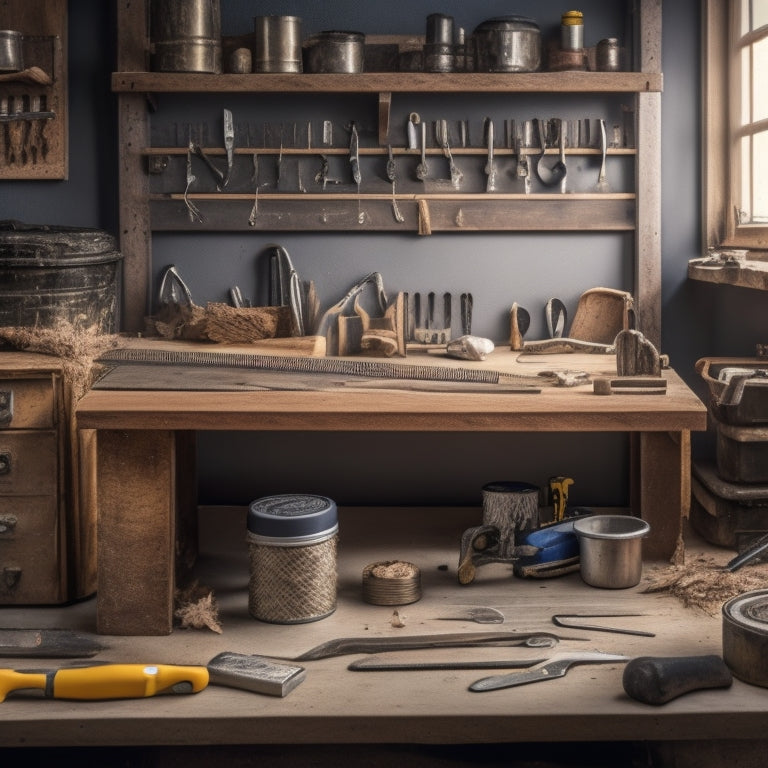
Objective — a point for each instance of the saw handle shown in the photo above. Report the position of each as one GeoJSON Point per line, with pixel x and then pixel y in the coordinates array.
{"type": "Point", "coordinates": [657, 680]}
{"type": "Point", "coordinates": [107, 681]}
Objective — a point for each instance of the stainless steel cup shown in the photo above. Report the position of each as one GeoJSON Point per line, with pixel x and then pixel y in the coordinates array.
{"type": "Point", "coordinates": [278, 44]}
{"type": "Point", "coordinates": [11, 58]}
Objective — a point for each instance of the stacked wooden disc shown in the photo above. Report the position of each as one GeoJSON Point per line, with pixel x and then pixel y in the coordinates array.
{"type": "Point", "coordinates": [391, 582]}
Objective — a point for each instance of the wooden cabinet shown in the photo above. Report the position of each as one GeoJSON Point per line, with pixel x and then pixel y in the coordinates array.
{"type": "Point", "coordinates": [148, 206]}
{"type": "Point", "coordinates": [45, 556]}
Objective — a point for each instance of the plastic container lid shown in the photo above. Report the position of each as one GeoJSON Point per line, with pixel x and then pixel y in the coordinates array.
{"type": "Point", "coordinates": [291, 516]}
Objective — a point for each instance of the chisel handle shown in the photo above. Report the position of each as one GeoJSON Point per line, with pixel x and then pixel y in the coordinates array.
{"type": "Point", "coordinates": [107, 681]}
{"type": "Point", "coordinates": [657, 680]}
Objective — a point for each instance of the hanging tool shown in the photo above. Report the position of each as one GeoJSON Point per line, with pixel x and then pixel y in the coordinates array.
{"type": "Point", "coordinates": [347, 645]}
{"type": "Point", "coordinates": [550, 177]}
{"type": "Point", "coordinates": [392, 176]}
{"type": "Point", "coordinates": [557, 318]}
{"type": "Point", "coordinates": [602, 182]}
{"type": "Point", "coordinates": [555, 667]}
{"type": "Point", "coordinates": [519, 322]}
{"type": "Point", "coordinates": [490, 168]}
{"type": "Point", "coordinates": [377, 664]}
{"type": "Point", "coordinates": [562, 620]}
{"type": "Point", "coordinates": [229, 144]}
{"type": "Point", "coordinates": [255, 182]}
{"type": "Point", "coordinates": [173, 290]}
{"type": "Point", "coordinates": [192, 209]}
{"type": "Point", "coordinates": [443, 138]}
{"type": "Point", "coordinates": [422, 169]}
{"type": "Point", "coordinates": [217, 174]}
{"type": "Point", "coordinates": [354, 155]}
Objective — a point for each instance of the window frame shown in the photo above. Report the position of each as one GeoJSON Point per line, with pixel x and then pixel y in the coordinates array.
{"type": "Point", "coordinates": [721, 173]}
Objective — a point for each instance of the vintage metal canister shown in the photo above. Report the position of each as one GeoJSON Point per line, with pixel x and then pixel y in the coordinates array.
{"type": "Point", "coordinates": [277, 44]}
{"type": "Point", "coordinates": [608, 55]}
{"type": "Point", "coordinates": [572, 31]}
{"type": "Point", "coordinates": [292, 541]}
{"type": "Point", "coordinates": [186, 37]}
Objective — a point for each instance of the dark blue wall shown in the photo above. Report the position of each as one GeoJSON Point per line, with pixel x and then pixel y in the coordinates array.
{"type": "Point", "coordinates": [698, 319]}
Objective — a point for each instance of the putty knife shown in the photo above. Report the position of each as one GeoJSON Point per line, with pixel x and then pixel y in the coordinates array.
{"type": "Point", "coordinates": [134, 681]}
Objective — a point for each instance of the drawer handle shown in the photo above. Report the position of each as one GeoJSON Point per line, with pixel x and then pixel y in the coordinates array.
{"type": "Point", "coordinates": [11, 577]}
{"type": "Point", "coordinates": [7, 524]}
{"type": "Point", "coordinates": [5, 463]}
{"type": "Point", "coordinates": [6, 407]}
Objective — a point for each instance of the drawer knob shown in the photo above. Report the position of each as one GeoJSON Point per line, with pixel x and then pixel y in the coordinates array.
{"type": "Point", "coordinates": [7, 524]}
{"type": "Point", "coordinates": [5, 463]}
{"type": "Point", "coordinates": [6, 407]}
{"type": "Point", "coordinates": [11, 577]}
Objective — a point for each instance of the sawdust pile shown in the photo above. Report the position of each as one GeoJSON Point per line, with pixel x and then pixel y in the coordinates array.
{"type": "Point", "coordinates": [196, 608]}
{"type": "Point", "coordinates": [705, 584]}
{"type": "Point", "coordinates": [76, 348]}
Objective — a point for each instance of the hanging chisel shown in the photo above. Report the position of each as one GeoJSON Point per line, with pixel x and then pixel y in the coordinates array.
{"type": "Point", "coordinates": [229, 144]}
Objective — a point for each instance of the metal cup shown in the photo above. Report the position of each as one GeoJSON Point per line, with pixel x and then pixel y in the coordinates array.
{"type": "Point", "coordinates": [11, 58]}
{"type": "Point", "coordinates": [278, 44]}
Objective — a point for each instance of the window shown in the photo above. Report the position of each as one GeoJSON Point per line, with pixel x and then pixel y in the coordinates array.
{"type": "Point", "coordinates": [735, 103]}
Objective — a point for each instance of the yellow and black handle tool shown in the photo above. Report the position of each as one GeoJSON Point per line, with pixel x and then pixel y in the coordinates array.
{"type": "Point", "coordinates": [106, 681]}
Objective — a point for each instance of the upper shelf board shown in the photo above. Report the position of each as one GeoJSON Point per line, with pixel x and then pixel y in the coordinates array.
{"type": "Point", "coordinates": [393, 82]}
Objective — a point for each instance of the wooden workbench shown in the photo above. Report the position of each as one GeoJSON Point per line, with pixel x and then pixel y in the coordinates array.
{"type": "Point", "coordinates": [144, 444]}
{"type": "Point", "coordinates": [337, 706]}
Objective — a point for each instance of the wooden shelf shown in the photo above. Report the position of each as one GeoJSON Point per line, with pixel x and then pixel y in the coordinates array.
{"type": "Point", "coordinates": [390, 82]}
{"type": "Point", "coordinates": [752, 273]}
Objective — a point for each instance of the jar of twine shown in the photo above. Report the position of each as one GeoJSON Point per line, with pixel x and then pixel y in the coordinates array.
{"type": "Point", "coordinates": [292, 541]}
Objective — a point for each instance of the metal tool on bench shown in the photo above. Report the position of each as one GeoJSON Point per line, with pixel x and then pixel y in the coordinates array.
{"type": "Point", "coordinates": [378, 664]}
{"type": "Point", "coordinates": [555, 667]}
{"type": "Point", "coordinates": [346, 645]}
{"type": "Point", "coordinates": [567, 620]}
{"type": "Point", "coordinates": [478, 614]}
{"type": "Point", "coordinates": [47, 643]}
{"type": "Point", "coordinates": [130, 681]}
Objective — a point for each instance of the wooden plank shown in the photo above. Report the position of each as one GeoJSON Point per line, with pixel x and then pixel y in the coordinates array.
{"type": "Point", "coordinates": [136, 496]}
{"type": "Point", "coordinates": [392, 82]}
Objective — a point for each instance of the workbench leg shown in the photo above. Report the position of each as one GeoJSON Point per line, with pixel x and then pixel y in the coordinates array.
{"type": "Point", "coordinates": [664, 485]}
{"type": "Point", "coordinates": [136, 498]}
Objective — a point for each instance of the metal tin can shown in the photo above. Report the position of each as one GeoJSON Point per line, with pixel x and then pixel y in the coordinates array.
{"type": "Point", "coordinates": [292, 540]}
{"type": "Point", "coordinates": [608, 55]}
{"type": "Point", "coordinates": [572, 31]}
{"type": "Point", "coordinates": [335, 51]}
{"type": "Point", "coordinates": [186, 37]}
{"type": "Point", "coordinates": [278, 44]}
{"type": "Point", "coordinates": [11, 58]}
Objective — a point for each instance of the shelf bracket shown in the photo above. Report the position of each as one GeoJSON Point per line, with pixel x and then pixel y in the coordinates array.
{"type": "Point", "coordinates": [385, 107]}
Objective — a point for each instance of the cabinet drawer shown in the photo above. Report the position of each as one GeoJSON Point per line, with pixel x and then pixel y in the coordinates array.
{"type": "Point", "coordinates": [28, 463]}
{"type": "Point", "coordinates": [25, 516]}
{"type": "Point", "coordinates": [30, 572]}
{"type": "Point", "coordinates": [27, 403]}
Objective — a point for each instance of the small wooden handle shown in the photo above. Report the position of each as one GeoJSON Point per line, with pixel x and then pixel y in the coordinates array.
{"type": "Point", "coordinates": [657, 680]}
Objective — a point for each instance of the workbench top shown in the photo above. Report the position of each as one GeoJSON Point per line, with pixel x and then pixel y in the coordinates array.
{"type": "Point", "coordinates": [334, 705]}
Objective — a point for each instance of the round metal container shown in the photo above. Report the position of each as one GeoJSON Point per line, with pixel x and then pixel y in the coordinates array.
{"type": "Point", "coordinates": [278, 44]}
{"type": "Point", "coordinates": [186, 37]}
{"type": "Point", "coordinates": [745, 636]}
{"type": "Point", "coordinates": [608, 55]}
{"type": "Point", "coordinates": [334, 51]}
{"type": "Point", "coordinates": [572, 31]}
{"type": "Point", "coordinates": [507, 44]}
{"type": "Point", "coordinates": [610, 550]}
{"type": "Point", "coordinates": [292, 542]}
{"type": "Point", "coordinates": [53, 274]}
{"type": "Point", "coordinates": [11, 58]}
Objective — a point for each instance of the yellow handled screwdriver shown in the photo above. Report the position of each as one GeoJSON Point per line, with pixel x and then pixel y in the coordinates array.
{"type": "Point", "coordinates": [107, 681]}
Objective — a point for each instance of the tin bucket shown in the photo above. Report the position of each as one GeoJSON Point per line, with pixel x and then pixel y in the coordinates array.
{"type": "Point", "coordinates": [186, 36]}
{"type": "Point", "coordinates": [11, 57]}
{"type": "Point", "coordinates": [277, 45]}
{"type": "Point", "coordinates": [53, 274]}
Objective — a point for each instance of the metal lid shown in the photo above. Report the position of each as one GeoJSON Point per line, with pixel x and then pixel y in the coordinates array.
{"type": "Point", "coordinates": [749, 610]}
{"type": "Point", "coordinates": [510, 486]}
{"type": "Point", "coordinates": [506, 23]}
{"type": "Point", "coordinates": [611, 527]}
{"type": "Point", "coordinates": [292, 516]}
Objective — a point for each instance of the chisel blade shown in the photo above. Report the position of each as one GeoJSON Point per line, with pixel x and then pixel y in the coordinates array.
{"type": "Point", "coordinates": [47, 643]}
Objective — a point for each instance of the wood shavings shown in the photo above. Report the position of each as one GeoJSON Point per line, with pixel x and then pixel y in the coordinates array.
{"type": "Point", "coordinates": [196, 608]}
{"type": "Point", "coordinates": [396, 620]}
{"type": "Point", "coordinates": [705, 584]}
{"type": "Point", "coordinates": [76, 347]}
